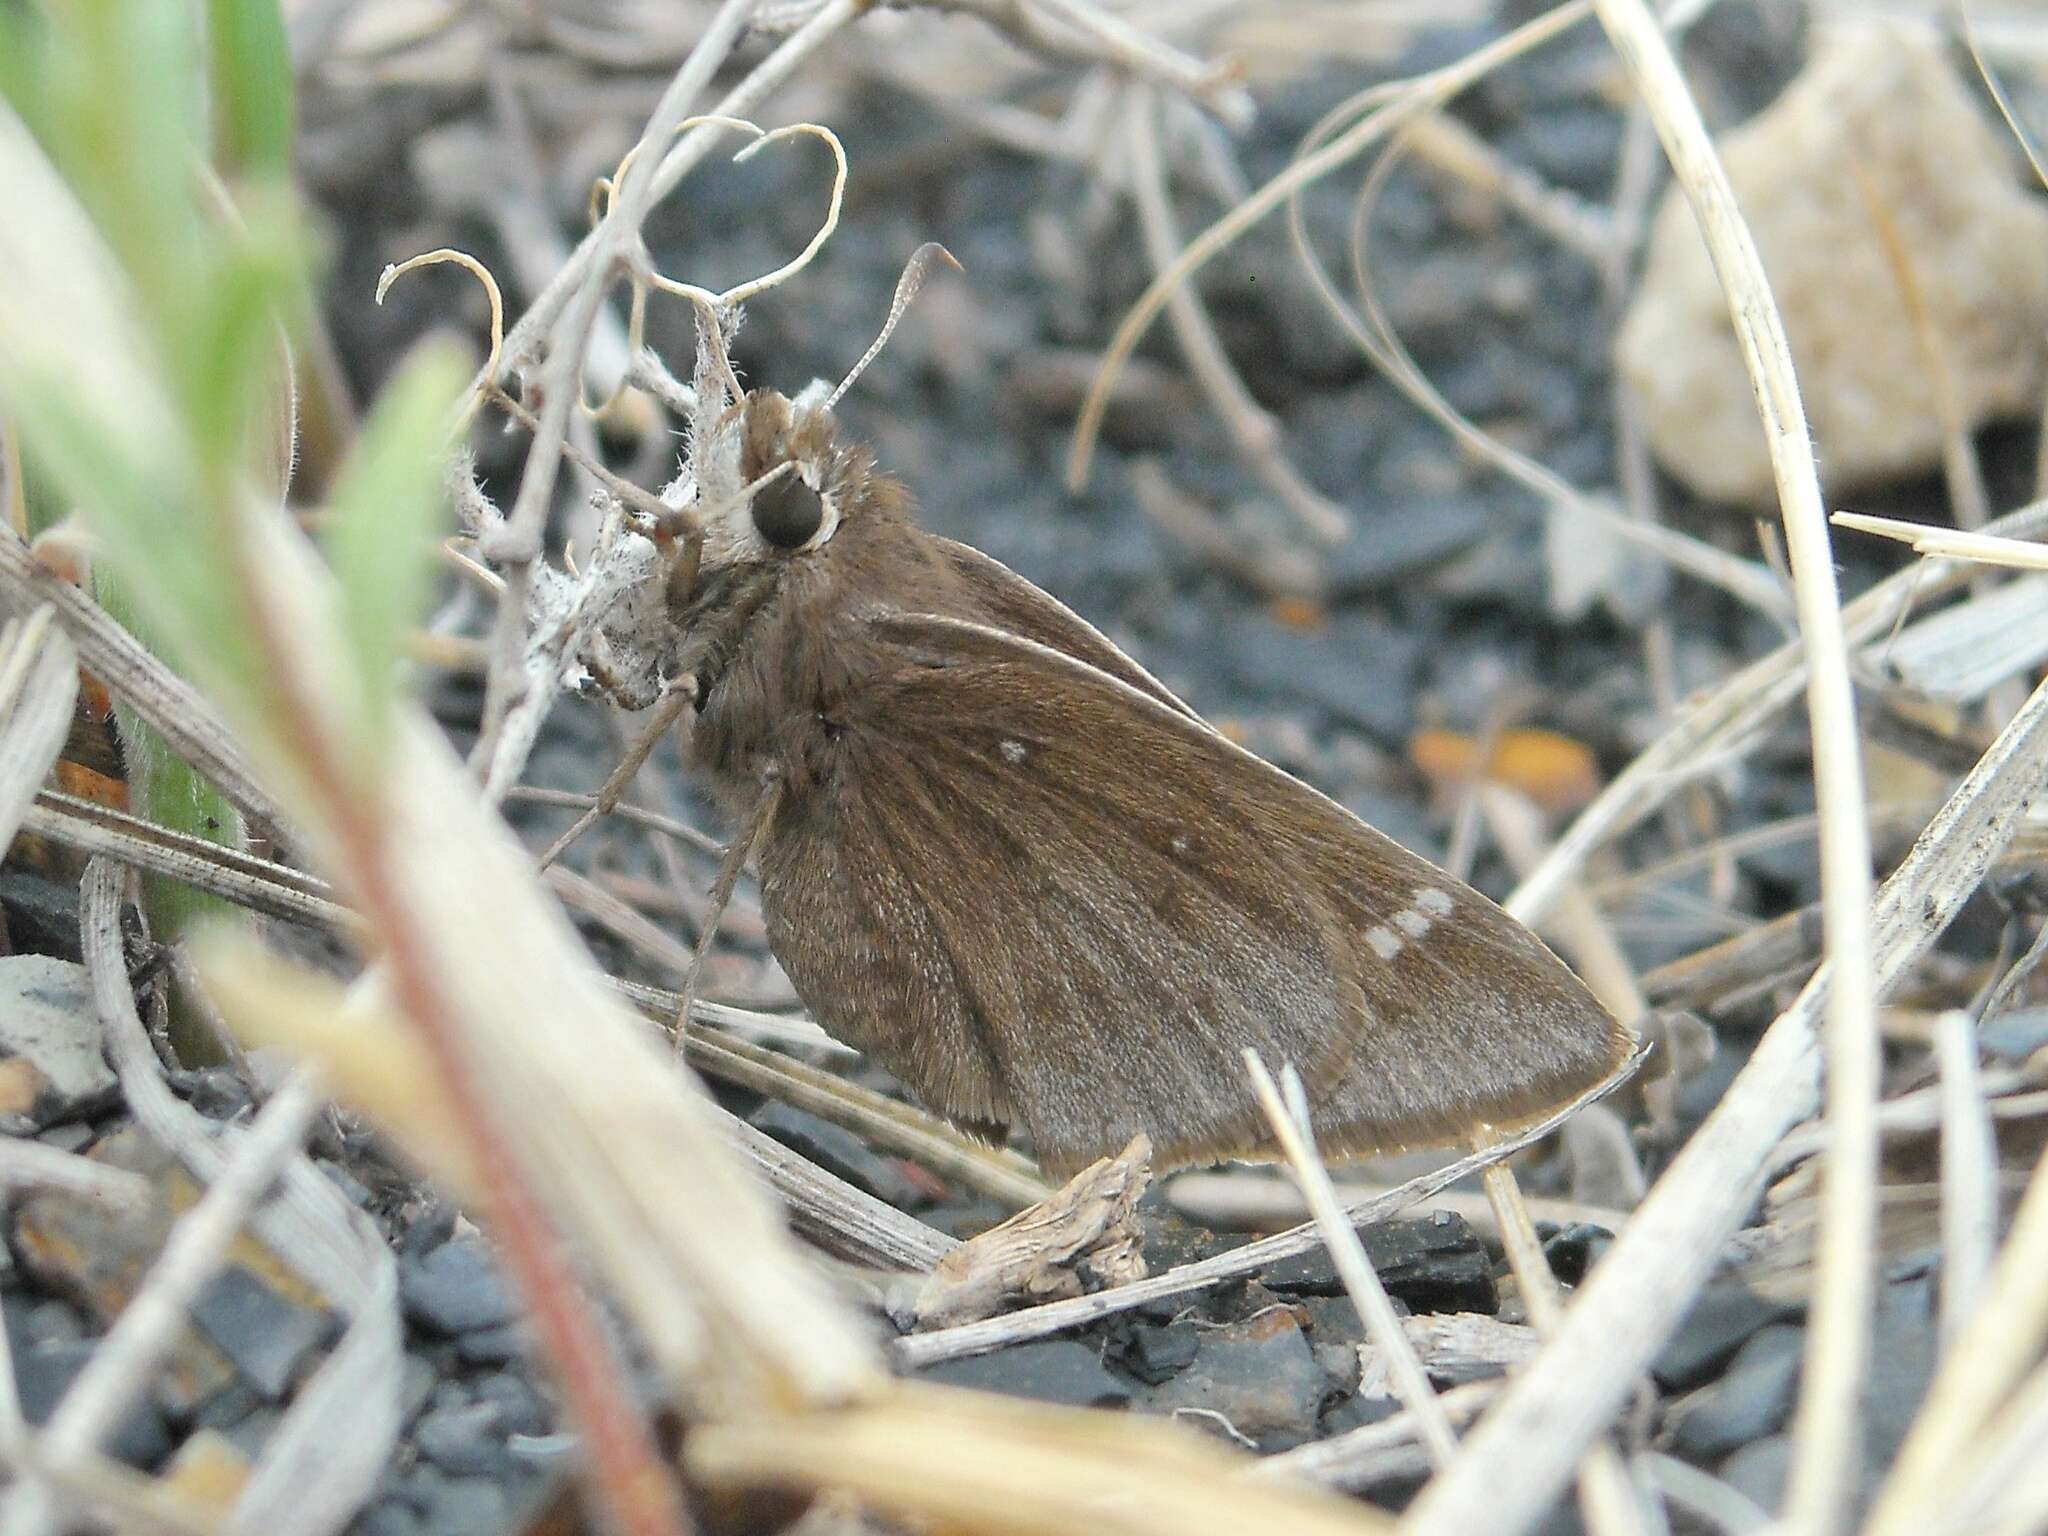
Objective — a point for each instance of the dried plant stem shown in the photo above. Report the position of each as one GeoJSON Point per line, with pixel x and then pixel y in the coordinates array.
{"type": "Point", "coordinates": [143, 1336]}
{"type": "Point", "coordinates": [1404, 101]}
{"type": "Point", "coordinates": [1831, 1385]}
{"type": "Point", "coordinates": [1605, 1492]}
{"type": "Point", "coordinates": [2001, 1340]}
{"type": "Point", "coordinates": [138, 678]}
{"type": "Point", "coordinates": [626, 1471]}
{"type": "Point", "coordinates": [1969, 1176]}
{"type": "Point", "coordinates": [1057, 1316]}
{"type": "Point", "coordinates": [515, 546]}
{"type": "Point", "coordinates": [1253, 433]}
{"type": "Point", "coordinates": [1518, 1460]}
{"type": "Point", "coordinates": [668, 826]}
{"type": "Point", "coordinates": [525, 337]}
{"type": "Point", "coordinates": [30, 1165]}
{"type": "Point", "coordinates": [1734, 710]}
{"type": "Point", "coordinates": [1361, 1283]}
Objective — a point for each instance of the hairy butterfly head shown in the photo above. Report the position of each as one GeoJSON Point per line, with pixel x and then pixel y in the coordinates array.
{"type": "Point", "coordinates": [777, 483]}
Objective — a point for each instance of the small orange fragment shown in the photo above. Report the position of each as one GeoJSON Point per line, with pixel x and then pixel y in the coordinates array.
{"type": "Point", "coordinates": [90, 784]}
{"type": "Point", "coordinates": [1556, 772]}
{"type": "Point", "coordinates": [1297, 612]}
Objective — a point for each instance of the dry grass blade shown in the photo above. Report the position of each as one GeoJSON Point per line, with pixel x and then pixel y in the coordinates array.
{"type": "Point", "coordinates": [29, 1165]}
{"type": "Point", "coordinates": [1407, 100]}
{"type": "Point", "coordinates": [1969, 1176]}
{"type": "Point", "coordinates": [148, 1328]}
{"type": "Point", "coordinates": [1605, 1493]}
{"type": "Point", "coordinates": [846, 1222]}
{"type": "Point", "coordinates": [1254, 434]}
{"type": "Point", "coordinates": [1521, 1456]}
{"type": "Point", "coordinates": [2002, 1339]}
{"type": "Point", "coordinates": [186, 720]}
{"type": "Point", "coordinates": [331, 1447]}
{"type": "Point", "coordinates": [991, 1465]}
{"type": "Point", "coordinates": [273, 889]}
{"type": "Point", "coordinates": [1361, 1283]}
{"type": "Point", "coordinates": [1831, 1383]}
{"type": "Point", "coordinates": [885, 1122]}
{"type": "Point", "coordinates": [1733, 711]}
{"type": "Point", "coordinates": [1953, 543]}
{"type": "Point", "coordinates": [38, 683]}
{"type": "Point", "coordinates": [1360, 1458]}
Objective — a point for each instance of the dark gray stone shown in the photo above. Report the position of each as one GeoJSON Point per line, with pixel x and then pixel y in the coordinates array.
{"type": "Point", "coordinates": [466, 1441]}
{"type": "Point", "coordinates": [1573, 1251]}
{"type": "Point", "coordinates": [267, 1335]}
{"type": "Point", "coordinates": [1154, 1354]}
{"type": "Point", "coordinates": [388, 1517]}
{"type": "Point", "coordinates": [1434, 1265]}
{"type": "Point", "coordinates": [495, 1346]}
{"type": "Point", "coordinates": [456, 1288]}
{"type": "Point", "coordinates": [1259, 1375]}
{"type": "Point", "coordinates": [1903, 1352]}
{"type": "Point", "coordinates": [1049, 1370]}
{"type": "Point", "coordinates": [1751, 1400]}
{"type": "Point", "coordinates": [42, 915]}
{"type": "Point", "coordinates": [1356, 1412]}
{"type": "Point", "coordinates": [42, 1375]}
{"type": "Point", "coordinates": [837, 1150]}
{"type": "Point", "coordinates": [1759, 1470]}
{"type": "Point", "coordinates": [1389, 545]}
{"type": "Point", "coordinates": [1356, 668]}
{"type": "Point", "coordinates": [1723, 1318]}
{"type": "Point", "coordinates": [520, 1408]}
{"type": "Point", "coordinates": [2014, 1035]}
{"type": "Point", "coordinates": [415, 1386]}
{"type": "Point", "coordinates": [458, 1506]}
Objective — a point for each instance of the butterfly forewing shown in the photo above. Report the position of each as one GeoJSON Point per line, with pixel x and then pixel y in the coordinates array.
{"type": "Point", "coordinates": [1045, 894]}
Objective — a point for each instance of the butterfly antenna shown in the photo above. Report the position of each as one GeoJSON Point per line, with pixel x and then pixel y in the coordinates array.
{"type": "Point", "coordinates": [915, 271]}
{"type": "Point", "coordinates": [729, 870]}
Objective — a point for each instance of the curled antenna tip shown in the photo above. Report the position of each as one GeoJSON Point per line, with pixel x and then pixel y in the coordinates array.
{"type": "Point", "coordinates": [915, 271]}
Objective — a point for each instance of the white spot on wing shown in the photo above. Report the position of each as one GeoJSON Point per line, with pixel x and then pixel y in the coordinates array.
{"type": "Point", "coordinates": [1411, 922]}
{"type": "Point", "coordinates": [1433, 901]}
{"type": "Point", "coordinates": [1013, 752]}
{"type": "Point", "coordinates": [1384, 941]}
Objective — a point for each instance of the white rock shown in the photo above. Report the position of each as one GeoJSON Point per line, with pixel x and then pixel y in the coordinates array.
{"type": "Point", "coordinates": [1877, 120]}
{"type": "Point", "coordinates": [47, 1015]}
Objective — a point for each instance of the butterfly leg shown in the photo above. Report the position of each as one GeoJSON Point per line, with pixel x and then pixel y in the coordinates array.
{"type": "Point", "coordinates": [666, 713]}
{"type": "Point", "coordinates": [729, 870]}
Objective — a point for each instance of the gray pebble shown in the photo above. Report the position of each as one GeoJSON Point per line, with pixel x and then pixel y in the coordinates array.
{"type": "Point", "coordinates": [458, 1506]}
{"type": "Point", "coordinates": [388, 1517]}
{"type": "Point", "coordinates": [1723, 1318]}
{"type": "Point", "coordinates": [495, 1346]}
{"type": "Point", "coordinates": [1750, 1401]}
{"type": "Point", "coordinates": [456, 1288]}
{"type": "Point", "coordinates": [141, 1438]}
{"type": "Point", "coordinates": [465, 1441]}
{"type": "Point", "coordinates": [1259, 1374]}
{"type": "Point", "coordinates": [266, 1335]}
{"type": "Point", "coordinates": [1049, 1370]}
{"type": "Point", "coordinates": [520, 1408]}
{"type": "Point", "coordinates": [1758, 1471]}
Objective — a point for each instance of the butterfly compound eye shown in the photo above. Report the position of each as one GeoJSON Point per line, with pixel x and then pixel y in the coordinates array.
{"type": "Point", "coordinates": [788, 512]}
